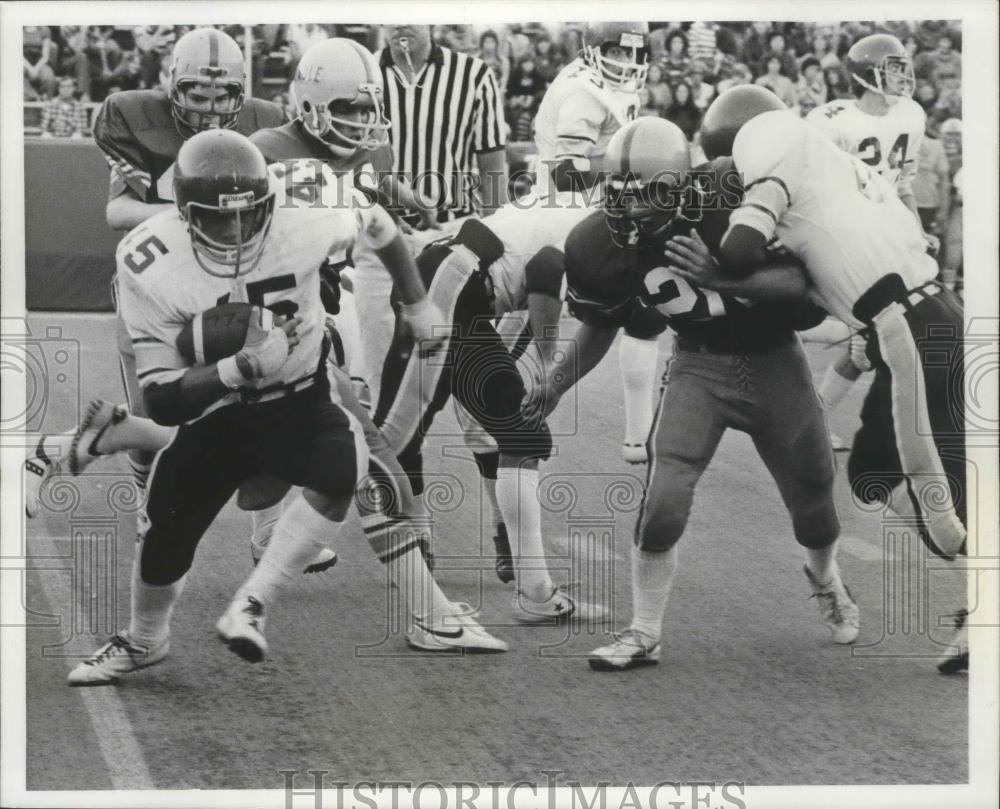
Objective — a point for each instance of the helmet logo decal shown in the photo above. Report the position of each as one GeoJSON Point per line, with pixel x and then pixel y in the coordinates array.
{"type": "Point", "coordinates": [632, 41]}
{"type": "Point", "coordinates": [229, 201]}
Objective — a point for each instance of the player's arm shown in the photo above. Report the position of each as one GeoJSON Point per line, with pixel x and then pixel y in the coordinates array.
{"type": "Point", "coordinates": [578, 125]}
{"type": "Point", "coordinates": [125, 210]}
{"type": "Point", "coordinates": [544, 275]}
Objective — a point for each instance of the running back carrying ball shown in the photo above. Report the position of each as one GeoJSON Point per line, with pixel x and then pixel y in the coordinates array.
{"type": "Point", "coordinates": [219, 332]}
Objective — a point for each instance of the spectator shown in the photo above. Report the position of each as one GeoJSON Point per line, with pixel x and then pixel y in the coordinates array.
{"type": "Point", "coordinates": [683, 111]}
{"type": "Point", "coordinates": [837, 83]}
{"type": "Point", "coordinates": [302, 35]}
{"type": "Point", "coordinates": [657, 40]}
{"type": "Point", "coordinates": [489, 52]}
{"type": "Point", "coordinates": [571, 43]}
{"type": "Point", "coordinates": [755, 43]}
{"type": "Point", "coordinates": [740, 74]}
{"type": "Point", "coordinates": [702, 92]}
{"type": "Point", "coordinates": [64, 116]}
{"type": "Point", "coordinates": [822, 49]}
{"type": "Point", "coordinates": [40, 55]}
{"type": "Point", "coordinates": [677, 63]}
{"type": "Point", "coordinates": [951, 242]}
{"type": "Point", "coordinates": [524, 91]}
{"type": "Point", "coordinates": [939, 64]}
{"type": "Point", "coordinates": [949, 102]}
{"type": "Point", "coordinates": [647, 108]}
{"type": "Point", "coordinates": [811, 90]}
{"type": "Point", "coordinates": [548, 58]}
{"type": "Point", "coordinates": [932, 183]}
{"type": "Point", "coordinates": [701, 42]}
{"type": "Point", "coordinates": [461, 38]}
{"type": "Point", "coordinates": [786, 59]}
{"type": "Point", "coordinates": [929, 33]}
{"type": "Point", "coordinates": [776, 82]}
{"type": "Point", "coordinates": [660, 96]}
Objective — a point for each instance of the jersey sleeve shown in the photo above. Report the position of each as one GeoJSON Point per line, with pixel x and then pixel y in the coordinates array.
{"type": "Point", "coordinates": [152, 326]}
{"type": "Point", "coordinates": [489, 126]}
{"type": "Point", "coordinates": [764, 153]}
{"type": "Point", "coordinates": [578, 125]}
{"type": "Point", "coordinates": [827, 119]}
{"type": "Point", "coordinates": [121, 149]}
{"type": "Point", "coordinates": [583, 298]}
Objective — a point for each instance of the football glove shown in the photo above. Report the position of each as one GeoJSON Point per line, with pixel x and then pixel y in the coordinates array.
{"type": "Point", "coordinates": [421, 318]}
{"type": "Point", "coordinates": [264, 351]}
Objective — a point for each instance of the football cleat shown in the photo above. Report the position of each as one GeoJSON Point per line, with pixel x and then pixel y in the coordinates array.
{"type": "Point", "coordinates": [99, 417]}
{"type": "Point", "coordinates": [121, 655]}
{"type": "Point", "coordinates": [323, 560]}
{"type": "Point", "coordinates": [956, 656]}
{"type": "Point", "coordinates": [505, 560]}
{"type": "Point", "coordinates": [836, 607]}
{"type": "Point", "coordinates": [635, 453]}
{"type": "Point", "coordinates": [39, 468]}
{"type": "Point", "coordinates": [241, 628]}
{"type": "Point", "coordinates": [558, 607]}
{"type": "Point", "coordinates": [630, 650]}
{"type": "Point", "coordinates": [455, 631]}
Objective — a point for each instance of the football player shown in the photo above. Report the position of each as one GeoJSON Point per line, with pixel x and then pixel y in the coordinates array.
{"type": "Point", "coordinates": [140, 133]}
{"type": "Point", "coordinates": [508, 262]}
{"type": "Point", "coordinates": [867, 262]}
{"type": "Point", "coordinates": [590, 100]}
{"type": "Point", "coordinates": [233, 236]}
{"type": "Point", "coordinates": [734, 366]}
{"type": "Point", "coordinates": [883, 126]}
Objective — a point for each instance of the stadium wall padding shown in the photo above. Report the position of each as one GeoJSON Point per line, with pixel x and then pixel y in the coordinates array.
{"type": "Point", "coordinates": [69, 248]}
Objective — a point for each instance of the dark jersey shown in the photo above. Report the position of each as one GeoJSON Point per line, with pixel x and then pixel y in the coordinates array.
{"type": "Point", "coordinates": [609, 287]}
{"type": "Point", "coordinates": [137, 132]}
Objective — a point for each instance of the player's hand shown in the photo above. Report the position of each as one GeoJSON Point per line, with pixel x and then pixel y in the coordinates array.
{"type": "Point", "coordinates": [691, 259]}
{"type": "Point", "coordinates": [267, 345]}
{"type": "Point", "coordinates": [933, 244]}
{"type": "Point", "coordinates": [421, 318]}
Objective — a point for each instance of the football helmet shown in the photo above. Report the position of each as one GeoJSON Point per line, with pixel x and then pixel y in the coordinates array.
{"type": "Point", "coordinates": [598, 37]}
{"type": "Point", "coordinates": [881, 64]}
{"type": "Point", "coordinates": [729, 112]}
{"type": "Point", "coordinates": [648, 161]}
{"type": "Point", "coordinates": [222, 190]}
{"type": "Point", "coordinates": [210, 59]}
{"type": "Point", "coordinates": [337, 94]}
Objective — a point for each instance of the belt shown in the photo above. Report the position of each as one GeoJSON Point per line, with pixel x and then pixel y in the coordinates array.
{"type": "Point", "coordinates": [888, 290]}
{"type": "Point", "coordinates": [250, 396]}
{"type": "Point", "coordinates": [693, 346]}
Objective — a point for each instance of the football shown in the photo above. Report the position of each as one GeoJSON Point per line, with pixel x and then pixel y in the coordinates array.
{"type": "Point", "coordinates": [216, 333]}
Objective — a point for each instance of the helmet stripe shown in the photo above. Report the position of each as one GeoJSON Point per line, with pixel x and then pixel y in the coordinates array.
{"type": "Point", "coordinates": [213, 48]}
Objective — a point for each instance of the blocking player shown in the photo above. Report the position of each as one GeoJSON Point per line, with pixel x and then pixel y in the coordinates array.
{"type": "Point", "coordinates": [267, 408]}
{"type": "Point", "coordinates": [867, 263]}
{"type": "Point", "coordinates": [140, 133]}
{"type": "Point", "coordinates": [509, 262]}
{"type": "Point", "coordinates": [883, 126]}
{"type": "Point", "coordinates": [590, 100]}
{"type": "Point", "coordinates": [735, 366]}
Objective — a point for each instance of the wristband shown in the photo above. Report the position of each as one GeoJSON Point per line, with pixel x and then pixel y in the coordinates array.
{"type": "Point", "coordinates": [229, 373]}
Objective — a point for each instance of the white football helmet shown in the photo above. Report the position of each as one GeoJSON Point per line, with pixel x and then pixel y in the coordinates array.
{"type": "Point", "coordinates": [337, 94]}
{"type": "Point", "coordinates": [598, 37]}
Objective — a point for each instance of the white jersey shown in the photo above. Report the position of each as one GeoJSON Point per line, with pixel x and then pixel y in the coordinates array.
{"type": "Point", "coordinates": [577, 118]}
{"type": "Point", "coordinates": [162, 287]}
{"type": "Point", "coordinates": [525, 227]}
{"type": "Point", "coordinates": [889, 143]}
{"type": "Point", "coordinates": [843, 220]}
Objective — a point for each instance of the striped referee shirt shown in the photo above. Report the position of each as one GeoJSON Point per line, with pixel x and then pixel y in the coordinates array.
{"type": "Point", "coordinates": [452, 111]}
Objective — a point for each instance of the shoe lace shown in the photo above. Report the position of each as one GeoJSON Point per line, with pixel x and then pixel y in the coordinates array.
{"type": "Point", "coordinates": [116, 644]}
{"type": "Point", "coordinates": [629, 637]}
{"type": "Point", "coordinates": [255, 610]}
{"type": "Point", "coordinates": [829, 604]}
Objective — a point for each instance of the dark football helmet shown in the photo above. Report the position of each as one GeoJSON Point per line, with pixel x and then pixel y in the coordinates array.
{"type": "Point", "coordinates": [598, 37]}
{"type": "Point", "coordinates": [206, 59]}
{"type": "Point", "coordinates": [881, 64]}
{"type": "Point", "coordinates": [222, 190]}
{"type": "Point", "coordinates": [729, 112]}
{"type": "Point", "coordinates": [648, 161]}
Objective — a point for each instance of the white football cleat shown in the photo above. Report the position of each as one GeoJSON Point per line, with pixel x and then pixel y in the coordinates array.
{"type": "Point", "coordinates": [121, 655]}
{"type": "Point", "coordinates": [956, 656]}
{"type": "Point", "coordinates": [241, 628]}
{"type": "Point", "coordinates": [836, 607]}
{"type": "Point", "coordinates": [635, 453]}
{"type": "Point", "coordinates": [39, 468]}
{"type": "Point", "coordinates": [558, 607]}
{"type": "Point", "coordinates": [324, 559]}
{"type": "Point", "coordinates": [99, 417]}
{"type": "Point", "coordinates": [630, 650]}
{"type": "Point", "coordinates": [455, 631]}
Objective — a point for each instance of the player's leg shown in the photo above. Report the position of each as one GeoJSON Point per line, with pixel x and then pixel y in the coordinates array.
{"type": "Point", "coordinates": [193, 478]}
{"type": "Point", "coordinates": [837, 382]}
{"type": "Point", "coordinates": [689, 423]}
{"type": "Point", "coordinates": [140, 460]}
{"type": "Point", "coordinates": [372, 288]}
{"type": "Point", "coordinates": [791, 438]}
{"type": "Point", "coordinates": [639, 364]}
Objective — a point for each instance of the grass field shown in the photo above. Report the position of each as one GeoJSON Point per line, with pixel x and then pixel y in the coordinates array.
{"type": "Point", "coordinates": [750, 688]}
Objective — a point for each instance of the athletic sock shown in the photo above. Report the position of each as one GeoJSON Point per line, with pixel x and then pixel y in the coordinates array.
{"type": "Point", "coordinates": [822, 562]}
{"type": "Point", "coordinates": [264, 520]}
{"type": "Point", "coordinates": [134, 433]}
{"type": "Point", "coordinates": [652, 575]}
{"type": "Point", "coordinates": [418, 591]}
{"type": "Point", "coordinates": [140, 473]}
{"type": "Point", "coordinates": [638, 361]}
{"type": "Point", "coordinates": [152, 606]}
{"type": "Point", "coordinates": [833, 388]}
{"type": "Point", "coordinates": [517, 496]}
{"type": "Point", "coordinates": [300, 533]}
